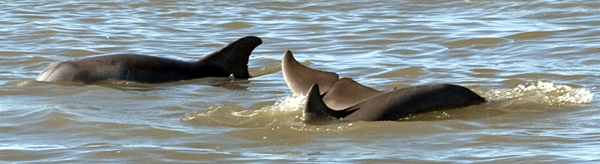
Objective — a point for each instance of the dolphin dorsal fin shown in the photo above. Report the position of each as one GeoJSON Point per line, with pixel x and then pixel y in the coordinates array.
{"type": "Point", "coordinates": [300, 78]}
{"type": "Point", "coordinates": [233, 58]}
{"type": "Point", "coordinates": [346, 92]}
{"type": "Point", "coordinates": [315, 109]}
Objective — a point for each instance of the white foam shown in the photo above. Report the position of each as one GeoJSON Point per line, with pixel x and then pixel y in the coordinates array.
{"type": "Point", "coordinates": [289, 104]}
{"type": "Point", "coordinates": [543, 92]}
{"type": "Point", "coordinates": [288, 110]}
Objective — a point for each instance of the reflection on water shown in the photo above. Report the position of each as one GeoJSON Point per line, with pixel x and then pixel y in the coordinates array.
{"type": "Point", "coordinates": [536, 61]}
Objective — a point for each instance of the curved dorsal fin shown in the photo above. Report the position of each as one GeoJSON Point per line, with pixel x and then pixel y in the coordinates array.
{"type": "Point", "coordinates": [300, 78]}
{"type": "Point", "coordinates": [315, 109]}
{"type": "Point", "coordinates": [233, 58]}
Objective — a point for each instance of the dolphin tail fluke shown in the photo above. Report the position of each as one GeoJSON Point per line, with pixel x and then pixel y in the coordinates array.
{"type": "Point", "coordinates": [300, 78]}
{"type": "Point", "coordinates": [346, 93]}
{"type": "Point", "coordinates": [233, 58]}
{"type": "Point", "coordinates": [315, 109]}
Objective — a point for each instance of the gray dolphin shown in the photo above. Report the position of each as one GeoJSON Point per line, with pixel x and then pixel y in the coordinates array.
{"type": "Point", "coordinates": [345, 99]}
{"type": "Point", "coordinates": [230, 60]}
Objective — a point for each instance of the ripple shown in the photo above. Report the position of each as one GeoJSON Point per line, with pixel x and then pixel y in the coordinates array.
{"type": "Point", "coordinates": [180, 14]}
{"type": "Point", "coordinates": [375, 42]}
{"type": "Point", "coordinates": [406, 72]}
{"type": "Point", "coordinates": [475, 41]}
{"type": "Point", "coordinates": [531, 35]}
{"type": "Point", "coordinates": [93, 20]}
{"type": "Point", "coordinates": [486, 73]}
{"type": "Point", "coordinates": [76, 52]}
{"type": "Point", "coordinates": [235, 25]}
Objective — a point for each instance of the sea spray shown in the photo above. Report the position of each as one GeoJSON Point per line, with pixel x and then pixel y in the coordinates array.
{"type": "Point", "coordinates": [542, 92]}
{"type": "Point", "coordinates": [286, 110]}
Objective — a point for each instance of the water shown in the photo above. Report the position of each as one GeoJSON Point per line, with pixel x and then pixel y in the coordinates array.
{"type": "Point", "coordinates": [536, 60]}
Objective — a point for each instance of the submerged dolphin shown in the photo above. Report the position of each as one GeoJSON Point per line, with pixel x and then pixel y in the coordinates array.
{"type": "Point", "coordinates": [345, 99]}
{"type": "Point", "coordinates": [230, 60]}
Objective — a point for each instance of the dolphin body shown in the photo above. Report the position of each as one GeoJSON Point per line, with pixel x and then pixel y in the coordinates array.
{"type": "Point", "coordinates": [230, 60]}
{"type": "Point", "coordinates": [345, 99]}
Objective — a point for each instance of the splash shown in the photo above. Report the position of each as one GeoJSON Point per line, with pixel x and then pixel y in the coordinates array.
{"type": "Point", "coordinates": [543, 92]}
{"type": "Point", "coordinates": [283, 116]}
{"type": "Point", "coordinates": [287, 110]}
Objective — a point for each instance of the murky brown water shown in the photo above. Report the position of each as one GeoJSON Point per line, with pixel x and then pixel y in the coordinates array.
{"type": "Point", "coordinates": [538, 61]}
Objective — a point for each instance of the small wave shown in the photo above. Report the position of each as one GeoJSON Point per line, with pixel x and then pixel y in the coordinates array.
{"type": "Point", "coordinates": [531, 35]}
{"type": "Point", "coordinates": [475, 41]}
{"type": "Point", "coordinates": [286, 111]}
{"type": "Point", "coordinates": [236, 25]}
{"type": "Point", "coordinates": [27, 147]}
{"type": "Point", "coordinates": [284, 116]}
{"type": "Point", "coordinates": [543, 92]}
{"type": "Point", "coordinates": [179, 14]}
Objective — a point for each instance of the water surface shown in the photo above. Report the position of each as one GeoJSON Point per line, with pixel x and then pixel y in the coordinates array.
{"type": "Point", "coordinates": [536, 61]}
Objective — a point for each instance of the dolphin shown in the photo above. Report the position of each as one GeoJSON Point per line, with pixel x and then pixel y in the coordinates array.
{"type": "Point", "coordinates": [328, 96]}
{"type": "Point", "coordinates": [231, 60]}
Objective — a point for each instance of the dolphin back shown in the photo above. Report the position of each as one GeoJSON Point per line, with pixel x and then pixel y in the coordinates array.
{"type": "Point", "coordinates": [400, 103]}
{"type": "Point", "coordinates": [230, 60]}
